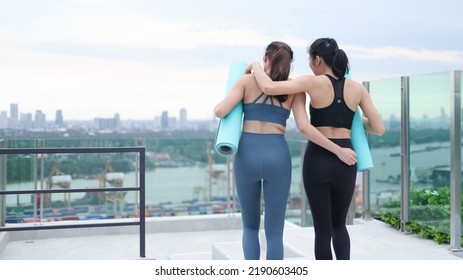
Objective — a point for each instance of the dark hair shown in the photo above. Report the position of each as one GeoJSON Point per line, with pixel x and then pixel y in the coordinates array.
{"type": "Point", "coordinates": [334, 57]}
{"type": "Point", "coordinates": [279, 56]}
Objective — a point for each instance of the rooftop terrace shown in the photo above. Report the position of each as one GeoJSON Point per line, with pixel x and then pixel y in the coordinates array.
{"type": "Point", "coordinates": [208, 237]}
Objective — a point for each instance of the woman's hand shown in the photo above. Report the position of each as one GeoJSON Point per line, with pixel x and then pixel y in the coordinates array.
{"type": "Point", "coordinates": [249, 69]}
{"type": "Point", "coordinates": [250, 66]}
{"type": "Point", "coordinates": [347, 155]}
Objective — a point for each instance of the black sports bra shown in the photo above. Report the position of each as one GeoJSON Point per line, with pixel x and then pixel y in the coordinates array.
{"type": "Point", "coordinates": [337, 114]}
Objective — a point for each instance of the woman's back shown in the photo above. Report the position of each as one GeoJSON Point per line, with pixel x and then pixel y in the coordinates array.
{"type": "Point", "coordinates": [332, 110]}
{"type": "Point", "coordinates": [262, 113]}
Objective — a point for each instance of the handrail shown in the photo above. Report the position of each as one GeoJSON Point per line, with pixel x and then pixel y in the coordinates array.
{"type": "Point", "coordinates": [141, 161]}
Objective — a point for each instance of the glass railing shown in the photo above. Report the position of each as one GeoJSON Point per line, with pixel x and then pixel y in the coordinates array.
{"type": "Point", "coordinates": [422, 202]}
{"type": "Point", "coordinates": [62, 184]}
{"type": "Point", "coordinates": [184, 176]}
{"type": "Point", "coordinates": [384, 185]}
{"type": "Point", "coordinates": [430, 98]}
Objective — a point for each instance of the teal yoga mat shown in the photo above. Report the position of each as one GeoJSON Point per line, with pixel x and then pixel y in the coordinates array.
{"type": "Point", "coordinates": [359, 141]}
{"type": "Point", "coordinates": [229, 130]}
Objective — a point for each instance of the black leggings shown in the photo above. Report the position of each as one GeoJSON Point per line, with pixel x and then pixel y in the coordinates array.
{"type": "Point", "coordinates": [329, 184]}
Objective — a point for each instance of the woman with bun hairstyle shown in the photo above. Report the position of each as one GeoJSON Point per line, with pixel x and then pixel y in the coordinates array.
{"type": "Point", "coordinates": [329, 183]}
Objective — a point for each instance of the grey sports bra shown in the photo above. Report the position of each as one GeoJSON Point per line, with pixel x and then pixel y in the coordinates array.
{"type": "Point", "coordinates": [266, 112]}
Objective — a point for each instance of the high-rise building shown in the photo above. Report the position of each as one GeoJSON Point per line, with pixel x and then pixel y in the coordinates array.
{"type": "Point", "coordinates": [117, 120]}
{"type": "Point", "coordinates": [26, 121]}
{"type": "Point", "coordinates": [183, 122]}
{"type": "Point", "coordinates": [14, 113]}
{"type": "Point", "coordinates": [13, 121]}
{"type": "Point", "coordinates": [40, 120]}
{"type": "Point", "coordinates": [59, 121]}
{"type": "Point", "coordinates": [3, 120]}
{"type": "Point", "coordinates": [108, 123]}
{"type": "Point", "coordinates": [165, 120]}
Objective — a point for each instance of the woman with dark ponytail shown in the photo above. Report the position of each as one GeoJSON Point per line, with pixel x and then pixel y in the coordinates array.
{"type": "Point", "coordinates": [263, 161]}
{"type": "Point", "coordinates": [328, 181]}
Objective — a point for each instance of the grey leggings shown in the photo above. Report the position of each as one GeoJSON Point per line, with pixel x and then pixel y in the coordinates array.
{"type": "Point", "coordinates": [263, 162]}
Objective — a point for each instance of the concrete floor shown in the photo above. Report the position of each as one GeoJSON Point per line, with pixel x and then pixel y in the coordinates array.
{"type": "Point", "coordinates": [212, 237]}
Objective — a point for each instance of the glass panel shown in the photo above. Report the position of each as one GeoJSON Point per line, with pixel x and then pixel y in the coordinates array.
{"type": "Point", "coordinates": [461, 112]}
{"type": "Point", "coordinates": [69, 171]}
{"type": "Point", "coordinates": [184, 176]}
{"type": "Point", "coordinates": [297, 198]}
{"type": "Point", "coordinates": [189, 178]}
{"type": "Point", "coordinates": [430, 151]}
{"type": "Point", "coordinates": [385, 150]}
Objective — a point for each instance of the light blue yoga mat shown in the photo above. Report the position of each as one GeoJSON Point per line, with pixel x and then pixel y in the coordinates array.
{"type": "Point", "coordinates": [359, 140]}
{"type": "Point", "coordinates": [360, 143]}
{"type": "Point", "coordinates": [229, 130]}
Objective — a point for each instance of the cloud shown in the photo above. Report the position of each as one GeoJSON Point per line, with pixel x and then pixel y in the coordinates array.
{"type": "Point", "coordinates": [87, 87]}
{"type": "Point", "coordinates": [126, 30]}
{"type": "Point", "coordinates": [452, 57]}
{"type": "Point", "coordinates": [93, 57]}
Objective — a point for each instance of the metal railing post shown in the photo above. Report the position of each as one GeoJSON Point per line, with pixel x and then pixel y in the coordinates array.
{"type": "Point", "coordinates": [304, 202]}
{"type": "Point", "coordinates": [142, 205]}
{"type": "Point", "coordinates": [455, 159]}
{"type": "Point", "coordinates": [2, 184]}
{"type": "Point", "coordinates": [405, 154]}
{"type": "Point", "coordinates": [139, 142]}
{"type": "Point", "coordinates": [231, 203]}
{"type": "Point", "coordinates": [39, 143]}
{"type": "Point", "coordinates": [366, 213]}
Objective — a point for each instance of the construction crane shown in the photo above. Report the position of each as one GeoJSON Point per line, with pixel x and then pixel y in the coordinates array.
{"type": "Point", "coordinates": [214, 175]}
{"type": "Point", "coordinates": [115, 179]}
{"type": "Point", "coordinates": [58, 178]}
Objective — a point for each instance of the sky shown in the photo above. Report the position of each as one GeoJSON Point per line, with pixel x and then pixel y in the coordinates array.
{"type": "Point", "coordinates": [138, 58]}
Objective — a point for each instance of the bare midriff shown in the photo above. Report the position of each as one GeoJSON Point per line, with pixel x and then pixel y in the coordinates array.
{"type": "Point", "coordinates": [334, 132]}
{"type": "Point", "coordinates": [263, 127]}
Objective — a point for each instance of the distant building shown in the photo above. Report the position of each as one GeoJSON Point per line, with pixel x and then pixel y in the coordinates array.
{"type": "Point", "coordinates": [40, 120]}
{"type": "Point", "coordinates": [3, 120]}
{"type": "Point", "coordinates": [165, 120]}
{"type": "Point", "coordinates": [26, 121]}
{"type": "Point", "coordinates": [108, 124]}
{"type": "Point", "coordinates": [13, 121]}
{"type": "Point", "coordinates": [117, 120]}
{"type": "Point", "coordinates": [14, 113]}
{"type": "Point", "coordinates": [59, 121]}
{"type": "Point", "coordinates": [183, 122]}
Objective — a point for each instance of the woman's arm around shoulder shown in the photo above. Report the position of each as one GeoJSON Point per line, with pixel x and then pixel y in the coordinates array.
{"type": "Point", "coordinates": [290, 86]}
{"type": "Point", "coordinates": [348, 156]}
{"type": "Point", "coordinates": [234, 97]}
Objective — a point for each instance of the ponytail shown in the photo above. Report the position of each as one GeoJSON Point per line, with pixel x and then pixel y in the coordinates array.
{"type": "Point", "coordinates": [280, 56]}
{"type": "Point", "coordinates": [340, 63]}
{"type": "Point", "coordinates": [334, 57]}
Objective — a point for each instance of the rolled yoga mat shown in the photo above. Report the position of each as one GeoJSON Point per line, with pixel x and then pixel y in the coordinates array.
{"type": "Point", "coordinates": [360, 143]}
{"type": "Point", "coordinates": [229, 130]}
{"type": "Point", "coordinates": [359, 140]}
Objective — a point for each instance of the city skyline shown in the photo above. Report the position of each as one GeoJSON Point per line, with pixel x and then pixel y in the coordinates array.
{"type": "Point", "coordinates": [15, 113]}
{"type": "Point", "coordinates": [16, 119]}
{"type": "Point", "coordinates": [140, 58]}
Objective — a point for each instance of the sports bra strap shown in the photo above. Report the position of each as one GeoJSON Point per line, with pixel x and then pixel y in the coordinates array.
{"type": "Point", "coordinates": [266, 98]}
{"type": "Point", "coordinates": [258, 97]}
{"type": "Point", "coordinates": [338, 86]}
